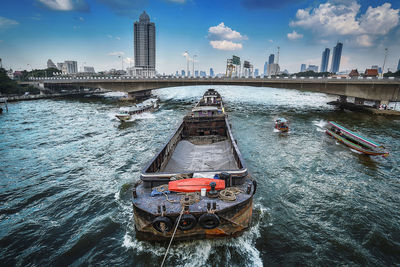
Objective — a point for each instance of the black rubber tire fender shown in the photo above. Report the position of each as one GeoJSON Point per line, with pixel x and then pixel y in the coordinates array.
{"type": "Point", "coordinates": [157, 224]}
{"type": "Point", "coordinates": [209, 221]}
{"type": "Point", "coordinates": [187, 222]}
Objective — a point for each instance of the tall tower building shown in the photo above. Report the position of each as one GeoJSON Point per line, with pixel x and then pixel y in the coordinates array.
{"type": "Point", "coordinates": [398, 65]}
{"type": "Point", "coordinates": [144, 39]}
{"type": "Point", "coordinates": [325, 60]}
{"type": "Point", "coordinates": [266, 68]}
{"type": "Point", "coordinates": [337, 54]}
{"type": "Point", "coordinates": [271, 59]}
{"type": "Point", "coordinates": [211, 72]}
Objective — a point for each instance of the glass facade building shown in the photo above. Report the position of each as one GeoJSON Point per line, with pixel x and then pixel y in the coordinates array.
{"type": "Point", "coordinates": [271, 59]}
{"type": "Point", "coordinates": [325, 60]}
{"type": "Point", "coordinates": [145, 43]}
{"type": "Point", "coordinates": [337, 54]}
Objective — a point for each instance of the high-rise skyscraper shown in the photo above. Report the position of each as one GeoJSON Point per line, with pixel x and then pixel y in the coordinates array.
{"type": "Point", "coordinates": [211, 72]}
{"type": "Point", "coordinates": [337, 54]}
{"type": "Point", "coordinates": [266, 68]}
{"type": "Point", "coordinates": [271, 59]}
{"type": "Point", "coordinates": [398, 65]}
{"type": "Point", "coordinates": [256, 72]}
{"type": "Point", "coordinates": [145, 45]}
{"type": "Point", "coordinates": [325, 60]}
{"type": "Point", "coordinates": [303, 68]}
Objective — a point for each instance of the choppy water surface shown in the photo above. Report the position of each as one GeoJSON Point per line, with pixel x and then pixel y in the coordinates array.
{"type": "Point", "coordinates": [67, 166]}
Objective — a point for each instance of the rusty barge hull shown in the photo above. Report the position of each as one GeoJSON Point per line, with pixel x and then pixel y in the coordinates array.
{"type": "Point", "coordinates": [201, 146]}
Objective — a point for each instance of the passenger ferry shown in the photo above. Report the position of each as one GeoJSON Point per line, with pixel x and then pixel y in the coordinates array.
{"type": "Point", "coordinates": [126, 113]}
{"type": "Point", "coordinates": [197, 186]}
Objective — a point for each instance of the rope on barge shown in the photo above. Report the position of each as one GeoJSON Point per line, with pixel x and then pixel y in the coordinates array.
{"type": "Point", "coordinates": [172, 237]}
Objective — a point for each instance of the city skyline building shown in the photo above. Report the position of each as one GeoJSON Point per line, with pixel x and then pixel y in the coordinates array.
{"type": "Point", "coordinates": [271, 59]}
{"type": "Point", "coordinates": [183, 73]}
{"type": "Point", "coordinates": [313, 68]}
{"type": "Point", "coordinates": [256, 72]}
{"type": "Point", "coordinates": [398, 65]}
{"type": "Point", "coordinates": [60, 65]}
{"type": "Point", "coordinates": [336, 56]}
{"type": "Point", "coordinates": [144, 36]}
{"type": "Point", "coordinates": [50, 64]}
{"type": "Point", "coordinates": [70, 67]}
{"type": "Point", "coordinates": [266, 68]}
{"type": "Point", "coordinates": [325, 60]}
{"type": "Point", "coordinates": [273, 69]}
{"type": "Point", "coordinates": [88, 69]}
{"type": "Point", "coordinates": [211, 72]}
{"type": "Point", "coordinates": [303, 68]}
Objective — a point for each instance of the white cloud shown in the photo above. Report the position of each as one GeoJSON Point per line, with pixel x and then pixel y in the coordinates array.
{"type": "Point", "coordinates": [109, 36]}
{"type": "Point", "coordinates": [7, 23]}
{"type": "Point", "coordinates": [224, 38]}
{"type": "Point", "coordinates": [222, 32]}
{"type": "Point", "coordinates": [226, 45]}
{"type": "Point", "coordinates": [81, 19]}
{"type": "Point", "coordinates": [129, 60]}
{"type": "Point", "coordinates": [270, 40]}
{"type": "Point", "coordinates": [342, 19]}
{"type": "Point", "coordinates": [379, 20]}
{"type": "Point", "coordinates": [119, 53]}
{"type": "Point", "coordinates": [118, 38]}
{"type": "Point", "coordinates": [294, 35]}
{"type": "Point", "coordinates": [65, 5]}
{"type": "Point", "coordinates": [365, 40]}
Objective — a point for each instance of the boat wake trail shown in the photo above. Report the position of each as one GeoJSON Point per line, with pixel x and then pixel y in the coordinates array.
{"type": "Point", "coordinates": [355, 151]}
{"type": "Point", "coordinates": [320, 125]}
{"type": "Point", "coordinates": [206, 252]}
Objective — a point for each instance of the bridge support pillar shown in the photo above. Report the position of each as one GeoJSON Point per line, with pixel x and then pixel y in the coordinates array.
{"type": "Point", "coordinates": [139, 94]}
{"type": "Point", "coordinates": [359, 101]}
{"type": "Point", "coordinates": [342, 99]}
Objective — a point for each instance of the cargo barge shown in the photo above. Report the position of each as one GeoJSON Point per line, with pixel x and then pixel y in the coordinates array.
{"type": "Point", "coordinates": [198, 185]}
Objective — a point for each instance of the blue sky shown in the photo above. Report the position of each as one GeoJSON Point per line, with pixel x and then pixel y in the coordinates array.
{"type": "Point", "coordinates": [95, 32]}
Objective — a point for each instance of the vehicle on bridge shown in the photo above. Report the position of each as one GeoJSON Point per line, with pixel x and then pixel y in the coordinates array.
{"type": "Point", "coordinates": [127, 113]}
{"type": "Point", "coordinates": [198, 185]}
{"type": "Point", "coordinates": [355, 141]}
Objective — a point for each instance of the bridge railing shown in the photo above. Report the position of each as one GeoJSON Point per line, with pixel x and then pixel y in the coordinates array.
{"type": "Point", "coordinates": [173, 78]}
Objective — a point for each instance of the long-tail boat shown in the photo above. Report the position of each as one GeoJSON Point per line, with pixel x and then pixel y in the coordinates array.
{"type": "Point", "coordinates": [198, 185]}
{"type": "Point", "coordinates": [355, 141]}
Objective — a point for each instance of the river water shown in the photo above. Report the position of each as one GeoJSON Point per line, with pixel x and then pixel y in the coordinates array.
{"type": "Point", "coordinates": [66, 167]}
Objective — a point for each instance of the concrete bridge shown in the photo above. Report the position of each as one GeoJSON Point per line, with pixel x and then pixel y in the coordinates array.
{"type": "Point", "coordinates": [381, 90]}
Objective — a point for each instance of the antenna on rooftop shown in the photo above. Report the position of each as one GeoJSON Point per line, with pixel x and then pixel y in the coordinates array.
{"type": "Point", "coordinates": [277, 59]}
{"type": "Point", "coordinates": [384, 61]}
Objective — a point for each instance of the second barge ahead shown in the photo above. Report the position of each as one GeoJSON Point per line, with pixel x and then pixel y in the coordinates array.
{"type": "Point", "coordinates": [204, 148]}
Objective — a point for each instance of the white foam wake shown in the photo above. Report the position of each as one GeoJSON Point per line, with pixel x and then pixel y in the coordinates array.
{"type": "Point", "coordinates": [205, 252]}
